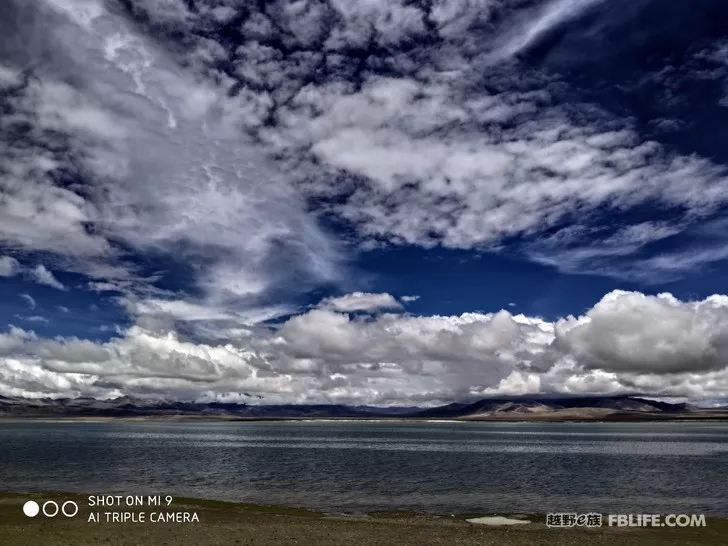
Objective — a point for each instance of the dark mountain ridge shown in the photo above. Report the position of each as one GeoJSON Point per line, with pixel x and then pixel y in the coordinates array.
{"type": "Point", "coordinates": [515, 408]}
{"type": "Point", "coordinates": [533, 404]}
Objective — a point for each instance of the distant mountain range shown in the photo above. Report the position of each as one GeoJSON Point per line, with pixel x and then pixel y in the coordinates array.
{"type": "Point", "coordinates": [592, 408]}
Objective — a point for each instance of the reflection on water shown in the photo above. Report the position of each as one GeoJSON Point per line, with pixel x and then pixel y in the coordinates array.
{"type": "Point", "coordinates": [440, 467]}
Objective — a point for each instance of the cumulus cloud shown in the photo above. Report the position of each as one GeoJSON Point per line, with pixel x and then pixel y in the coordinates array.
{"type": "Point", "coordinates": [631, 332]}
{"type": "Point", "coordinates": [628, 342]}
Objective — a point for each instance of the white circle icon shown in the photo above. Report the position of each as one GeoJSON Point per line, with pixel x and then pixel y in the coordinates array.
{"type": "Point", "coordinates": [74, 508]}
{"type": "Point", "coordinates": [46, 513]}
{"type": "Point", "coordinates": [31, 509]}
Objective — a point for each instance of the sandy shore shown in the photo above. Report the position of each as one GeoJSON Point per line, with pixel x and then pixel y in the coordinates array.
{"type": "Point", "coordinates": [237, 523]}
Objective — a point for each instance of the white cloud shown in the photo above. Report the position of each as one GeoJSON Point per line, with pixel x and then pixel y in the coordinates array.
{"type": "Point", "coordinates": [42, 275]}
{"type": "Point", "coordinates": [535, 24]}
{"type": "Point", "coordinates": [9, 266]}
{"type": "Point", "coordinates": [387, 22]}
{"type": "Point", "coordinates": [9, 77]}
{"type": "Point", "coordinates": [437, 179]}
{"type": "Point", "coordinates": [409, 299]}
{"type": "Point", "coordinates": [163, 164]}
{"type": "Point", "coordinates": [441, 178]}
{"type": "Point", "coordinates": [580, 249]}
{"type": "Point", "coordinates": [457, 145]}
{"type": "Point", "coordinates": [361, 301]}
{"type": "Point", "coordinates": [632, 332]}
{"type": "Point", "coordinates": [29, 300]}
{"type": "Point", "coordinates": [115, 148]}
{"type": "Point", "coordinates": [454, 17]}
{"type": "Point", "coordinates": [628, 342]}
{"type": "Point", "coordinates": [32, 318]}
{"type": "Point", "coordinates": [426, 155]}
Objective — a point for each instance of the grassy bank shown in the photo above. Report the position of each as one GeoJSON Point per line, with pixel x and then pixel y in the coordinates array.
{"type": "Point", "coordinates": [237, 523]}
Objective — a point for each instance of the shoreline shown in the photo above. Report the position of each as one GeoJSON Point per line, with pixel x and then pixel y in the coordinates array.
{"type": "Point", "coordinates": [224, 522]}
{"type": "Point", "coordinates": [237, 419]}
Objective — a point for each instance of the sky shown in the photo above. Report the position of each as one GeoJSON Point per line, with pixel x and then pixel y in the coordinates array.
{"type": "Point", "coordinates": [383, 202]}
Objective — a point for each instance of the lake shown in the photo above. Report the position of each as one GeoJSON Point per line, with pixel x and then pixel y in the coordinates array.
{"type": "Point", "coordinates": [437, 467]}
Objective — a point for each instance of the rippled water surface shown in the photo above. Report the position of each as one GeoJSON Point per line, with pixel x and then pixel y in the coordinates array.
{"type": "Point", "coordinates": [438, 467]}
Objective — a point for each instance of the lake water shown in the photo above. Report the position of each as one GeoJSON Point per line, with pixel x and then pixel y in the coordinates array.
{"type": "Point", "coordinates": [352, 466]}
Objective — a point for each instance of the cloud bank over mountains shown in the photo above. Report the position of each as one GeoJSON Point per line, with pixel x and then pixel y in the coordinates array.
{"type": "Point", "coordinates": [626, 343]}
{"type": "Point", "coordinates": [206, 164]}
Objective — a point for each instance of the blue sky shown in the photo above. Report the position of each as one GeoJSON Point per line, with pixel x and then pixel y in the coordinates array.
{"type": "Point", "coordinates": [378, 202]}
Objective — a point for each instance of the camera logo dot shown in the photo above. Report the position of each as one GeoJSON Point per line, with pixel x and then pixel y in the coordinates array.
{"type": "Point", "coordinates": [69, 509]}
{"type": "Point", "coordinates": [31, 509]}
{"type": "Point", "coordinates": [50, 509]}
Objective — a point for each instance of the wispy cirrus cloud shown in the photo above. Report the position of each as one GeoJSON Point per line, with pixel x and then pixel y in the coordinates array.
{"type": "Point", "coordinates": [29, 300]}
{"type": "Point", "coordinates": [40, 274]}
{"type": "Point", "coordinates": [495, 157]}
{"type": "Point", "coordinates": [161, 162]}
{"type": "Point", "coordinates": [534, 24]}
